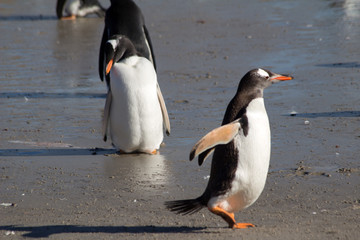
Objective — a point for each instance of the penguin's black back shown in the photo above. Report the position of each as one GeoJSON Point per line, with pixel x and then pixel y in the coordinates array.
{"type": "Point", "coordinates": [124, 17]}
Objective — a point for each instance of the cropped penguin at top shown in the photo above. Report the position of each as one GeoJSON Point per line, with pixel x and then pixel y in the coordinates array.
{"type": "Point", "coordinates": [124, 17]}
{"type": "Point", "coordinates": [241, 149]}
{"type": "Point", "coordinates": [71, 9]}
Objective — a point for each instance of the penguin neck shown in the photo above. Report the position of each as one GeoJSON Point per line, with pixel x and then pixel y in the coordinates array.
{"type": "Point", "coordinates": [237, 106]}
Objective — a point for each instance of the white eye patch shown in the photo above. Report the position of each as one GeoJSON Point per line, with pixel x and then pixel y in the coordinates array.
{"type": "Point", "coordinates": [262, 73]}
{"type": "Point", "coordinates": [113, 43]}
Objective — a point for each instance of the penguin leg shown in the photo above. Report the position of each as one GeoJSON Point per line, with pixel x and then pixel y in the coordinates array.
{"type": "Point", "coordinates": [229, 218]}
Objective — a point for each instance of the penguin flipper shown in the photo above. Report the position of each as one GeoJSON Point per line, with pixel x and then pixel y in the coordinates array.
{"type": "Point", "coordinates": [163, 110]}
{"type": "Point", "coordinates": [218, 136]}
{"type": "Point", "coordinates": [148, 41]}
{"type": "Point", "coordinates": [106, 114]}
{"type": "Point", "coordinates": [59, 8]}
{"type": "Point", "coordinates": [101, 69]}
{"type": "Point", "coordinates": [203, 156]}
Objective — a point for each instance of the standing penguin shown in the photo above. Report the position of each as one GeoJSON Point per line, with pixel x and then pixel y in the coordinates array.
{"type": "Point", "coordinates": [132, 84]}
{"type": "Point", "coordinates": [242, 153]}
{"type": "Point", "coordinates": [134, 108]}
{"type": "Point", "coordinates": [78, 8]}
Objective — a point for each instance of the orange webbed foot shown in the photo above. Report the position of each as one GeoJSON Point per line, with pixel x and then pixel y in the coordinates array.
{"type": "Point", "coordinates": [242, 225]}
{"type": "Point", "coordinates": [229, 218]}
{"type": "Point", "coordinates": [71, 17]}
{"type": "Point", "coordinates": [121, 152]}
{"type": "Point", "coordinates": [154, 152]}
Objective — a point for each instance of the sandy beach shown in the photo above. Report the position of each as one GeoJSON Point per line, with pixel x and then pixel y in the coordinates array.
{"type": "Point", "coordinates": [59, 180]}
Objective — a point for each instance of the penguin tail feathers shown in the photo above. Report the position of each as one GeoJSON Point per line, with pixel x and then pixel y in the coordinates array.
{"type": "Point", "coordinates": [184, 207]}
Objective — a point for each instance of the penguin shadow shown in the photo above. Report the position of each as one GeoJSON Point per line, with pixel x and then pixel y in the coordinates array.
{"type": "Point", "coordinates": [28, 18]}
{"type": "Point", "coordinates": [48, 230]}
{"type": "Point", "coordinates": [55, 152]}
{"type": "Point", "coordinates": [340, 65]}
{"type": "Point", "coordinates": [50, 95]}
{"type": "Point", "coordinates": [326, 114]}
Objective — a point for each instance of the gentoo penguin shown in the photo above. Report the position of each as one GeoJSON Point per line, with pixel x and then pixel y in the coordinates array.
{"type": "Point", "coordinates": [78, 8]}
{"type": "Point", "coordinates": [241, 153]}
{"type": "Point", "coordinates": [134, 109]}
{"type": "Point", "coordinates": [124, 18]}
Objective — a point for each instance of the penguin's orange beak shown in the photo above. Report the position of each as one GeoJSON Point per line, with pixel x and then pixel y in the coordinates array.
{"type": "Point", "coordinates": [281, 77]}
{"type": "Point", "coordinates": [109, 66]}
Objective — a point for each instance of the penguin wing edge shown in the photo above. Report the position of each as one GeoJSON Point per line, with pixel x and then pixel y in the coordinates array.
{"type": "Point", "coordinates": [221, 135]}
{"type": "Point", "coordinates": [102, 73]}
{"type": "Point", "coordinates": [203, 156]}
{"type": "Point", "coordinates": [149, 44]}
{"type": "Point", "coordinates": [163, 110]}
{"type": "Point", "coordinates": [59, 8]}
{"type": "Point", "coordinates": [106, 114]}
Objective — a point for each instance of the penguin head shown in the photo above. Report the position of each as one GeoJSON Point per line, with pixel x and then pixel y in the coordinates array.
{"type": "Point", "coordinates": [117, 48]}
{"type": "Point", "coordinates": [260, 79]}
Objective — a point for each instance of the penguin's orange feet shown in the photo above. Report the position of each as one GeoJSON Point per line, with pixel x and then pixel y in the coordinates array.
{"type": "Point", "coordinates": [71, 17]}
{"type": "Point", "coordinates": [151, 152]}
{"type": "Point", "coordinates": [121, 151]}
{"type": "Point", "coordinates": [242, 225]}
{"type": "Point", "coordinates": [229, 218]}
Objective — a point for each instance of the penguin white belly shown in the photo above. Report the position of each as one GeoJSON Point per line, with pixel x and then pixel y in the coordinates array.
{"type": "Point", "coordinates": [88, 10]}
{"type": "Point", "coordinates": [136, 122]}
{"type": "Point", "coordinates": [72, 7]}
{"type": "Point", "coordinates": [253, 160]}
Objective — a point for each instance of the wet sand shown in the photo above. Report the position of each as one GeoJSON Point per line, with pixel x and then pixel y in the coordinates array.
{"type": "Point", "coordinates": [63, 182]}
